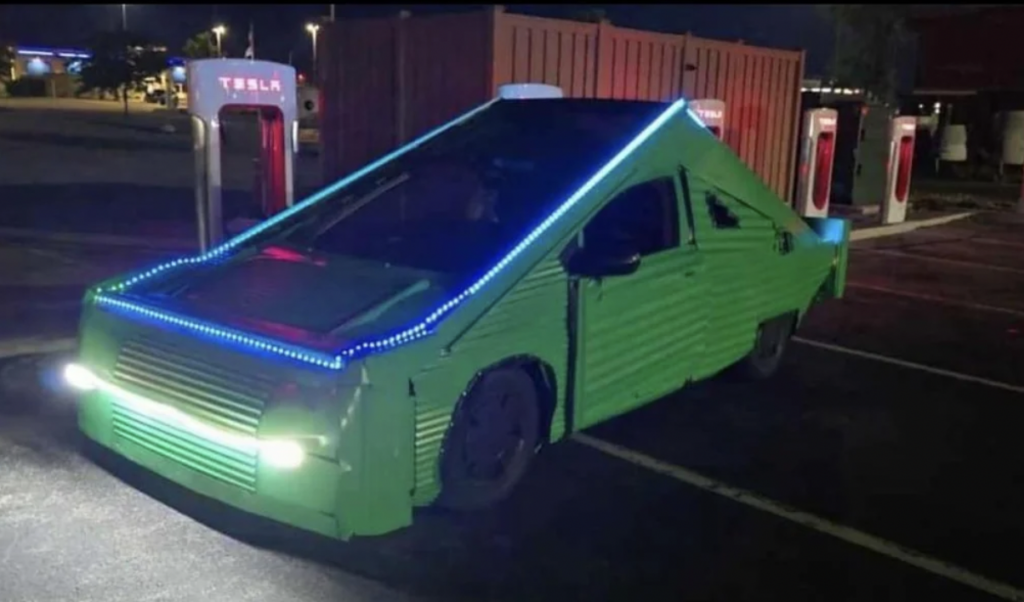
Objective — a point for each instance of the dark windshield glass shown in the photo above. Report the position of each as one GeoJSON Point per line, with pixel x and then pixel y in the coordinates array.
{"type": "Point", "coordinates": [456, 204]}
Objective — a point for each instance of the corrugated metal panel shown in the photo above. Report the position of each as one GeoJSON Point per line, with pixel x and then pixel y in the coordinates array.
{"type": "Point", "coordinates": [531, 318]}
{"type": "Point", "coordinates": [532, 49]}
{"type": "Point", "coordinates": [760, 87]}
{"type": "Point", "coordinates": [362, 96]}
{"type": "Point", "coordinates": [640, 65]}
{"type": "Point", "coordinates": [444, 69]}
{"type": "Point", "coordinates": [394, 78]}
{"type": "Point", "coordinates": [387, 80]}
{"type": "Point", "coordinates": [748, 273]}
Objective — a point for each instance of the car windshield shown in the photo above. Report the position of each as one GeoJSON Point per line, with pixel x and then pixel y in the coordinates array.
{"type": "Point", "coordinates": [455, 204]}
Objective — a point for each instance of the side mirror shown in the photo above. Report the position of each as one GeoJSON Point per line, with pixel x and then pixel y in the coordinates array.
{"type": "Point", "coordinates": [598, 262]}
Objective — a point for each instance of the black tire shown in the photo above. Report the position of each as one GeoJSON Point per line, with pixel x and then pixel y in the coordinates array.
{"type": "Point", "coordinates": [491, 442]}
{"type": "Point", "coordinates": [769, 348]}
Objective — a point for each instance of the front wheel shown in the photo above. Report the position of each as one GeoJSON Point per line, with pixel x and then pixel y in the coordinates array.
{"type": "Point", "coordinates": [764, 359]}
{"type": "Point", "coordinates": [491, 441]}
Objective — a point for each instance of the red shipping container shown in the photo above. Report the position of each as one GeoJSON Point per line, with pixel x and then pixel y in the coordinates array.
{"type": "Point", "coordinates": [386, 80]}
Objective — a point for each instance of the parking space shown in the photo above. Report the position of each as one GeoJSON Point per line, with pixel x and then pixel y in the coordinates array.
{"type": "Point", "coordinates": [915, 443]}
{"type": "Point", "coordinates": [584, 527]}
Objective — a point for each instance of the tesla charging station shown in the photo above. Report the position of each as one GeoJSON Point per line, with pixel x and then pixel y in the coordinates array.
{"type": "Point", "coordinates": [216, 86]}
{"type": "Point", "coordinates": [712, 112]}
{"type": "Point", "coordinates": [817, 154]}
{"type": "Point", "coordinates": [901, 163]}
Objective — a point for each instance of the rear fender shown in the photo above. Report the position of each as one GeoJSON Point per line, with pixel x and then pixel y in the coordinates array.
{"type": "Point", "coordinates": [835, 232]}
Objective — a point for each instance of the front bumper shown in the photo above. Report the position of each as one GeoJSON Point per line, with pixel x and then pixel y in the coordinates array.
{"type": "Point", "coordinates": [305, 496]}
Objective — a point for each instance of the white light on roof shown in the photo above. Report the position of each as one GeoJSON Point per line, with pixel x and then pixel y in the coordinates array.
{"type": "Point", "coordinates": [521, 91]}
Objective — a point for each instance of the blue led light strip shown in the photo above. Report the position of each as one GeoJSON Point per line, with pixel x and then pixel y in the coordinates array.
{"type": "Point", "coordinates": [694, 116]}
{"type": "Point", "coordinates": [421, 329]}
{"type": "Point", "coordinates": [324, 360]}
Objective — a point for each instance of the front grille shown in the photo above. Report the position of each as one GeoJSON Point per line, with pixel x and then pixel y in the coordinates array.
{"type": "Point", "coordinates": [228, 465]}
{"type": "Point", "coordinates": [216, 395]}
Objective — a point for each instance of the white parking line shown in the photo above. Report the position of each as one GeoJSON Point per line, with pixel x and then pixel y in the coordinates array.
{"type": "Point", "coordinates": [817, 523]}
{"type": "Point", "coordinates": [995, 241]}
{"type": "Point", "coordinates": [965, 304]}
{"type": "Point", "coordinates": [970, 264]}
{"type": "Point", "coordinates": [912, 365]}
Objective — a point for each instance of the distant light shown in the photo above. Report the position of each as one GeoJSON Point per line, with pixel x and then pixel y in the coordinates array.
{"type": "Point", "coordinates": [220, 30]}
{"type": "Point", "coordinates": [312, 28]}
{"type": "Point", "coordinates": [37, 67]}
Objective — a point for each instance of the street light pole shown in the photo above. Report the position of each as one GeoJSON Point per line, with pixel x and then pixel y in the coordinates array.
{"type": "Point", "coordinates": [124, 17]}
{"type": "Point", "coordinates": [219, 31]}
{"type": "Point", "coordinates": [332, 13]}
{"type": "Point", "coordinates": [313, 28]}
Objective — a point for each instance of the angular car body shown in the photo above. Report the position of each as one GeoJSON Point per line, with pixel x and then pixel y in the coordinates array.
{"type": "Point", "coordinates": [414, 332]}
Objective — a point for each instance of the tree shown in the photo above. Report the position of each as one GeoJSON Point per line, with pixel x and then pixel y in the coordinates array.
{"type": "Point", "coordinates": [870, 40]}
{"type": "Point", "coordinates": [201, 46]}
{"type": "Point", "coordinates": [6, 60]}
{"type": "Point", "coordinates": [120, 61]}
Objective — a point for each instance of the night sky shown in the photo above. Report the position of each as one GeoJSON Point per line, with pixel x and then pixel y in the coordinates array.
{"type": "Point", "coordinates": [279, 28]}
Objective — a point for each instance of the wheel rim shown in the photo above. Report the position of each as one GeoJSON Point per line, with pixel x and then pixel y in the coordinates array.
{"type": "Point", "coordinates": [494, 436]}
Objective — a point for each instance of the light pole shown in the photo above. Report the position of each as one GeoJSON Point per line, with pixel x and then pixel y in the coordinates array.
{"type": "Point", "coordinates": [124, 17]}
{"type": "Point", "coordinates": [313, 28]}
{"type": "Point", "coordinates": [332, 13]}
{"type": "Point", "coordinates": [219, 31]}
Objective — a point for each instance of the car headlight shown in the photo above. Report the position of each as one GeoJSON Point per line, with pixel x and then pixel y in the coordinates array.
{"type": "Point", "coordinates": [282, 454]}
{"type": "Point", "coordinates": [79, 377]}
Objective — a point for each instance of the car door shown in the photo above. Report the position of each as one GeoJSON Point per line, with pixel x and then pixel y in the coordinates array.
{"type": "Point", "coordinates": [638, 334]}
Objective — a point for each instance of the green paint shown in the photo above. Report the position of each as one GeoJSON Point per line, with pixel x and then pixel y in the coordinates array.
{"type": "Point", "coordinates": [373, 432]}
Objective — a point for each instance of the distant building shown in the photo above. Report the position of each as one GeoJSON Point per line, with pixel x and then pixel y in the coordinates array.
{"type": "Point", "coordinates": [40, 62]}
{"type": "Point", "coordinates": [61, 66]}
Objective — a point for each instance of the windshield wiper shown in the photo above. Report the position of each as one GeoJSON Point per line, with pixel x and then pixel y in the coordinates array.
{"type": "Point", "coordinates": [301, 232]}
{"type": "Point", "coordinates": [362, 201]}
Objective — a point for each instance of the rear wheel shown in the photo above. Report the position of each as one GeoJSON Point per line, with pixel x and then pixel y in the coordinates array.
{"type": "Point", "coordinates": [491, 442]}
{"type": "Point", "coordinates": [769, 348]}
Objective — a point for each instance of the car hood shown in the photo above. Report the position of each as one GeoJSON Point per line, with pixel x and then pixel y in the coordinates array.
{"type": "Point", "coordinates": [321, 301]}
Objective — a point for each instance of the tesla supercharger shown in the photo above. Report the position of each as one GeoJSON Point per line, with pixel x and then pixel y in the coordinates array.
{"type": "Point", "coordinates": [216, 86]}
{"type": "Point", "coordinates": [817, 155]}
{"type": "Point", "coordinates": [712, 112]}
{"type": "Point", "coordinates": [901, 164]}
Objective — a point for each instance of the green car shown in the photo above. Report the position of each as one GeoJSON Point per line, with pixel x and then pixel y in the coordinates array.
{"type": "Point", "coordinates": [414, 333]}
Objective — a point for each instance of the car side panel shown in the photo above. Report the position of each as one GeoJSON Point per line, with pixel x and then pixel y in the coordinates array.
{"type": "Point", "coordinates": [749, 278]}
{"type": "Point", "coordinates": [530, 320]}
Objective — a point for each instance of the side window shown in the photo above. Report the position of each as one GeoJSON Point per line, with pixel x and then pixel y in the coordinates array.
{"type": "Point", "coordinates": [644, 216]}
{"type": "Point", "coordinates": [722, 217]}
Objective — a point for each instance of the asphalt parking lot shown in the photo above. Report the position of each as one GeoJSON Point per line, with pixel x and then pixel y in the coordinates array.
{"type": "Point", "coordinates": [882, 463]}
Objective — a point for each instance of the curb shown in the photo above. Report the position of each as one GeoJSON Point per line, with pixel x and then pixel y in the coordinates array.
{"type": "Point", "coordinates": [37, 345]}
{"type": "Point", "coordinates": [168, 244]}
{"type": "Point", "coordinates": [903, 228]}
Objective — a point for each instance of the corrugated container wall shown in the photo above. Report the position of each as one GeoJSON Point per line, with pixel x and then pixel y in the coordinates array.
{"type": "Point", "coordinates": [385, 81]}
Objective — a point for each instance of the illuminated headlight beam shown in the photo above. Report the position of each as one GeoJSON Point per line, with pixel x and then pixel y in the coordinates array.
{"type": "Point", "coordinates": [282, 453]}
{"type": "Point", "coordinates": [79, 377]}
